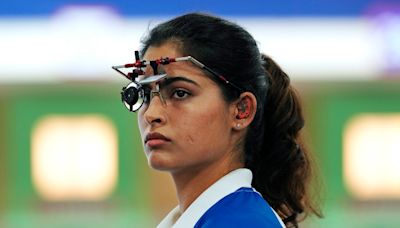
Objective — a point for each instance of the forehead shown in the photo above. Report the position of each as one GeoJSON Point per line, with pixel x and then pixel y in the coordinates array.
{"type": "Point", "coordinates": [169, 49]}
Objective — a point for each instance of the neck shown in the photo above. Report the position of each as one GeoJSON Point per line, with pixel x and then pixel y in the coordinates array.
{"type": "Point", "coordinates": [190, 184]}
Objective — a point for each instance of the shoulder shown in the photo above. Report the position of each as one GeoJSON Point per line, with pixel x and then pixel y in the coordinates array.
{"type": "Point", "coordinates": [242, 208]}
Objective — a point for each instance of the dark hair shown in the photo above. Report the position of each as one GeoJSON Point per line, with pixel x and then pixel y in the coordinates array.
{"type": "Point", "coordinates": [273, 151]}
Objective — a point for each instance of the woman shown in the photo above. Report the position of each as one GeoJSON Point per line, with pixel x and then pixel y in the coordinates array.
{"type": "Point", "coordinates": [224, 122]}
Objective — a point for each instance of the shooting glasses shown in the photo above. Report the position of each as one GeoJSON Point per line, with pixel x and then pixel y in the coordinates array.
{"type": "Point", "coordinates": [137, 92]}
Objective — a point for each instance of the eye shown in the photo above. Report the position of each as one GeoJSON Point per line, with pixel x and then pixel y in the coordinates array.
{"type": "Point", "coordinates": [180, 94]}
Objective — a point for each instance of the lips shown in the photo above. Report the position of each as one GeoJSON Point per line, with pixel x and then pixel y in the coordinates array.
{"type": "Point", "coordinates": [155, 139]}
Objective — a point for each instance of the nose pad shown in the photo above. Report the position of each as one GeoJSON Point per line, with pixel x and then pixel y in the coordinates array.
{"type": "Point", "coordinates": [154, 113]}
{"type": "Point", "coordinates": [158, 93]}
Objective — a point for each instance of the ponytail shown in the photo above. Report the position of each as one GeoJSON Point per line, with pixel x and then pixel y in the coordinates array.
{"type": "Point", "coordinates": [281, 164]}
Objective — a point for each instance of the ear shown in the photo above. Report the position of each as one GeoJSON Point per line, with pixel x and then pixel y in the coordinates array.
{"type": "Point", "coordinates": [245, 108]}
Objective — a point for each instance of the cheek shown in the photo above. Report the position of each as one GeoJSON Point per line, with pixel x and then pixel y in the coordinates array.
{"type": "Point", "coordinates": [204, 128]}
{"type": "Point", "coordinates": [190, 139]}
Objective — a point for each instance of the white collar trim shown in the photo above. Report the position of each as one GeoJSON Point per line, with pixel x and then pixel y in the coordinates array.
{"type": "Point", "coordinates": [227, 184]}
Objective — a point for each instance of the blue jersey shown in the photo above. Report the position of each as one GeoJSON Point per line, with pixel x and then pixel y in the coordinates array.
{"type": "Point", "coordinates": [229, 202]}
{"type": "Point", "coordinates": [242, 208]}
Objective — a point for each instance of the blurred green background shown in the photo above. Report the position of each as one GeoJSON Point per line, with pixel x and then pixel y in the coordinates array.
{"type": "Point", "coordinates": [135, 200]}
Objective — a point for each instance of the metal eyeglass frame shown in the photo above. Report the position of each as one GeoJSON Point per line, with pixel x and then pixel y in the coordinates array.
{"type": "Point", "coordinates": [131, 94]}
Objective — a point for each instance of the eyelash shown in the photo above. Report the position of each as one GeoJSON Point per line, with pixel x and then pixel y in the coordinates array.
{"type": "Point", "coordinates": [175, 94]}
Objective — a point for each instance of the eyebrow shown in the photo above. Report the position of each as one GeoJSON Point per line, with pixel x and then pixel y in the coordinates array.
{"type": "Point", "coordinates": [169, 80]}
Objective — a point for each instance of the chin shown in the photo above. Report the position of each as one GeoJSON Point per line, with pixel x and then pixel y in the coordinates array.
{"type": "Point", "coordinates": [158, 162]}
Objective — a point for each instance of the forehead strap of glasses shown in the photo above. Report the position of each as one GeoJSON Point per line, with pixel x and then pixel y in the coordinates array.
{"type": "Point", "coordinates": [153, 63]}
{"type": "Point", "coordinates": [139, 64]}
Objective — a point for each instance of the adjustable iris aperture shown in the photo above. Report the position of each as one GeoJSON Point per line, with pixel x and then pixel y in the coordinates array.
{"type": "Point", "coordinates": [132, 96]}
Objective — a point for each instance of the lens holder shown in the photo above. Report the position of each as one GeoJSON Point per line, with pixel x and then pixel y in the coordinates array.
{"type": "Point", "coordinates": [132, 96]}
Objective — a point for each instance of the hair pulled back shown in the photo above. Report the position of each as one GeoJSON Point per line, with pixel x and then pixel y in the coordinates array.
{"type": "Point", "coordinates": [273, 150]}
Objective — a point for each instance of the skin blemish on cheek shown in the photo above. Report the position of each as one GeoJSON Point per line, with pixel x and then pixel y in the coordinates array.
{"type": "Point", "coordinates": [189, 139]}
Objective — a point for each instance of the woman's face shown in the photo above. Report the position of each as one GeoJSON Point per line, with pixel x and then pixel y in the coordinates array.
{"type": "Point", "coordinates": [194, 129]}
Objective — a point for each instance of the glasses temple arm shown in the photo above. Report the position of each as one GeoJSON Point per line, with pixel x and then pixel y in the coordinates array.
{"type": "Point", "coordinates": [201, 65]}
{"type": "Point", "coordinates": [116, 68]}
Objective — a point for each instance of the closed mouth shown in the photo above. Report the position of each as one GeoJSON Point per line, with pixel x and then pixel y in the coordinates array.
{"type": "Point", "coordinates": [155, 136]}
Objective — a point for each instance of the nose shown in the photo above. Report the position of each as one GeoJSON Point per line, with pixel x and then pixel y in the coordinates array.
{"type": "Point", "coordinates": [155, 111]}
